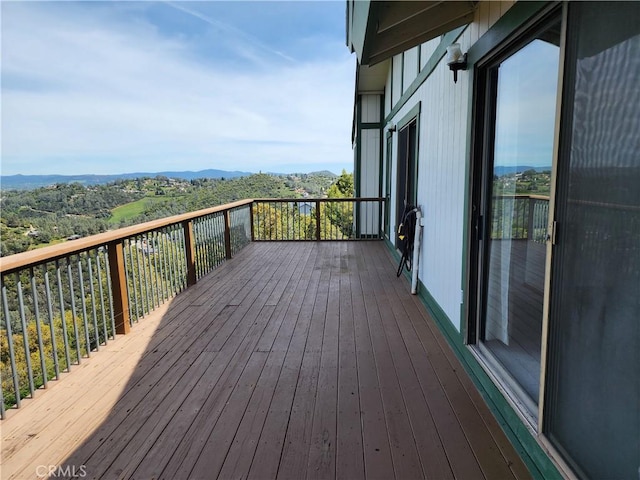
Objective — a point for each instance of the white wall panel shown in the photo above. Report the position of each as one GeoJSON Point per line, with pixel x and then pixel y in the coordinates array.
{"type": "Point", "coordinates": [370, 108]}
{"type": "Point", "coordinates": [397, 79]}
{"type": "Point", "coordinates": [410, 68]}
{"type": "Point", "coordinates": [427, 50]}
{"type": "Point", "coordinates": [442, 158]}
{"type": "Point", "coordinates": [370, 176]}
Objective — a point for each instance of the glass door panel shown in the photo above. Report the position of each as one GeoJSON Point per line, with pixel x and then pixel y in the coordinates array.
{"type": "Point", "coordinates": [592, 404]}
{"type": "Point", "coordinates": [518, 180]}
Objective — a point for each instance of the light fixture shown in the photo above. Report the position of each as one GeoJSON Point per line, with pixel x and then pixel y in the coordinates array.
{"type": "Point", "coordinates": [456, 60]}
{"type": "Point", "coordinates": [391, 127]}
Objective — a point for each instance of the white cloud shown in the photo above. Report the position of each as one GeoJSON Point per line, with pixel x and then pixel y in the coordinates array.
{"type": "Point", "coordinates": [93, 93]}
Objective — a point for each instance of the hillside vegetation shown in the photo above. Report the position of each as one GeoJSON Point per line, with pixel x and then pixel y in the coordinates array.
{"type": "Point", "coordinates": [38, 217]}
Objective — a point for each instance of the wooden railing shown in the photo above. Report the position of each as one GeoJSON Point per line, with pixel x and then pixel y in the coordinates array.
{"type": "Point", "coordinates": [62, 303]}
{"type": "Point", "coordinates": [520, 217]}
{"type": "Point", "coordinates": [318, 219]}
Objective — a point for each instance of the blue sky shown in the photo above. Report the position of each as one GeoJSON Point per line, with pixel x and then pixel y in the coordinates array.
{"type": "Point", "coordinates": [115, 87]}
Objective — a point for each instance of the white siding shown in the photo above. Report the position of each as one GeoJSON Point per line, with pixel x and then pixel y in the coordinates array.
{"type": "Point", "coordinates": [370, 176]}
{"type": "Point", "coordinates": [387, 95]}
{"type": "Point", "coordinates": [442, 157]}
{"type": "Point", "coordinates": [370, 108]}
{"type": "Point", "coordinates": [427, 50]}
{"type": "Point", "coordinates": [410, 68]}
{"type": "Point", "coordinates": [397, 80]}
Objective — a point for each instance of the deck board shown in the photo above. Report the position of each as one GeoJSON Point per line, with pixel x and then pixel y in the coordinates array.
{"type": "Point", "coordinates": [292, 360]}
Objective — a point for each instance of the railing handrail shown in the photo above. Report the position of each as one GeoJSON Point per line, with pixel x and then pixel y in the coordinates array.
{"type": "Point", "coordinates": [524, 196]}
{"type": "Point", "coordinates": [31, 258]}
{"type": "Point", "coordinates": [322, 199]}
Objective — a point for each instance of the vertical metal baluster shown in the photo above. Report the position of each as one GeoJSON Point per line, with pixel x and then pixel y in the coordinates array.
{"type": "Point", "coordinates": [94, 313]}
{"type": "Point", "coordinates": [131, 270]}
{"type": "Point", "coordinates": [170, 259]}
{"type": "Point", "coordinates": [204, 241]}
{"type": "Point", "coordinates": [196, 246]}
{"type": "Point", "coordinates": [150, 277]}
{"type": "Point", "coordinates": [63, 316]}
{"type": "Point", "coordinates": [2, 413]}
{"type": "Point", "coordinates": [73, 310]}
{"type": "Point", "coordinates": [143, 284]}
{"type": "Point", "coordinates": [54, 346]}
{"type": "Point", "coordinates": [101, 296]}
{"type": "Point", "coordinates": [153, 259]}
{"type": "Point", "coordinates": [162, 252]}
{"type": "Point", "coordinates": [129, 276]}
{"type": "Point", "coordinates": [25, 334]}
{"type": "Point", "coordinates": [12, 353]}
{"type": "Point", "coordinates": [85, 317]}
{"type": "Point", "coordinates": [36, 311]}
{"type": "Point", "coordinates": [110, 295]}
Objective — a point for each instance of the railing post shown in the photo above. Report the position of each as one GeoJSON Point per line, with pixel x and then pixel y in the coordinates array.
{"type": "Point", "coordinates": [227, 234]}
{"type": "Point", "coordinates": [317, 220]}
{"type": "Point", "coordinates": [190, 251]}
{"type": "Point", "coordinates": [119, 287]}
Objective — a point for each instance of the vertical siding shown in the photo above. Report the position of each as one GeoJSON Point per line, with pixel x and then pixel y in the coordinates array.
{"type": "Point", "coordinates": [442, 160]}
{"type": "Point", "coordinates": [397, 79]}
{"type": "Point", "coordinates": [370, 171]}
{"type": "Point", "coordinates": [410, 68]}
{"type": "Point", "coordinates": [370, 108]}
{"type": "Point", "coordinates": [370, 167]}
{"type": "Point", "coordinates": [427, 50]}
{"type": "Point", "coordinates": [387, 94]}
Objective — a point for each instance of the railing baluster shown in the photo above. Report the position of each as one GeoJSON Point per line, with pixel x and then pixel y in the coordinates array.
{"type": "Point", "coordinates": [94, 313]}
{"type": "Point", "coordinates": [36, 311]}
{"type": "Point", "coordinates": [63, 315]}
{"type": "Point", "coordinates": [85, 319]}
{"type": "Point", "coordinates": [54, 345]}
{"type": "Point", "coordinates": [12, 353]}
{"type": "Point", "coordinates": [73, 310]}
{"type": "Point", "coordinates": [25, 334]}
{"type": "Point", "coordinates": [101, 296]}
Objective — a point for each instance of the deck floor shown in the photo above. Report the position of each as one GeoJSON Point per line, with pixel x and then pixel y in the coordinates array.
{"type": "Point", "coordinates": [293, 360]}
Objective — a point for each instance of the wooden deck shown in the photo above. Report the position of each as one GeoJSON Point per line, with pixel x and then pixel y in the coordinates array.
{"type": "Point", "coordinates": [293, 360]}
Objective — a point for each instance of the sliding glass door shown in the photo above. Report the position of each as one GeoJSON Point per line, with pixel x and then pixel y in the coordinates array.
{"type": "Point", "coordinates": [592, 405]}
{"type": "Point", "coordinates": [519, 88]}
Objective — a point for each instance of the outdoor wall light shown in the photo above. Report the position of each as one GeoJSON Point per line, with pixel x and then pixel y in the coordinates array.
{"type": "Point", "coordinates": [391, 127]}
{"type": "Point", "coordinates": [456, 60]}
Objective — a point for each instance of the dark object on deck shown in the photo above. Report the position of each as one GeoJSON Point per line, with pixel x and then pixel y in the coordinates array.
{"type": "Point", "coordinates": [406, 235]}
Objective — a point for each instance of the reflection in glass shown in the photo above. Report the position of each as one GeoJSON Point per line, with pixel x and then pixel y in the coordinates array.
{"type": "Point", "coordinates": [518, 212]}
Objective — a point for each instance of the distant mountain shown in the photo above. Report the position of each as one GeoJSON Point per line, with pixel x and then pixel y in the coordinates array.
{"type": "Point", "coordinates": [23, 182]}
{"type": "Point", "coordinates": [501, 170]}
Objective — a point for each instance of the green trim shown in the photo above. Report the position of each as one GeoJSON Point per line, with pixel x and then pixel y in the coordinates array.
{"type": "Point", "coordinates": [419, 58]}
{"type": "Point", "coordinates": [401, 74]}
{"type": "Point", "coordinates": [429, 67]}
{"type": "Point", "coordinates": [391, 89]}
{"type": "Point", "coordinates": [413, 113]}
{"type": "Point", "coordinates": [504, 27]}
{"type": "Point", "coordinates": [370, 126]}
{"type": "Point", "coordinates": [539, 464]}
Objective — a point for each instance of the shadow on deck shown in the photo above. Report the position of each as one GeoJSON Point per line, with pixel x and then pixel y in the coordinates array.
{"type": "Point", "coordinates": [293, 360]}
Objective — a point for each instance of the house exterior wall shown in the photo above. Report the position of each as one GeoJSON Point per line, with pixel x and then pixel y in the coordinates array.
{"type": "Point", "coordinates": [442, 157]}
